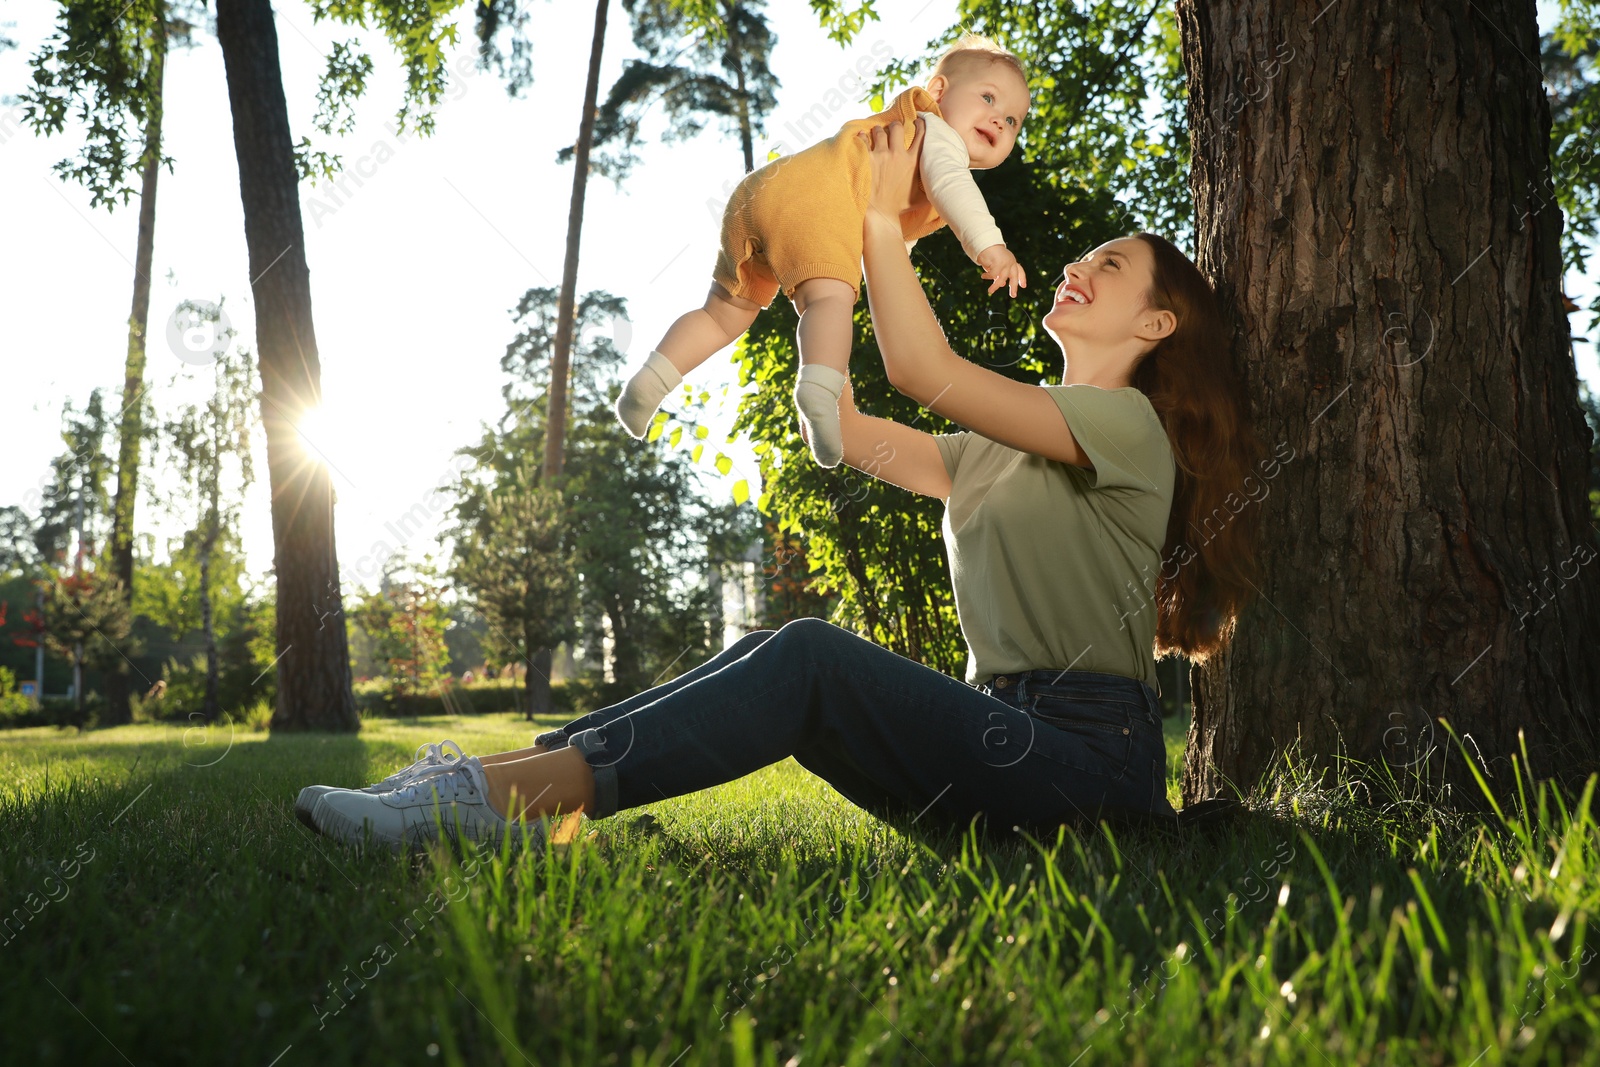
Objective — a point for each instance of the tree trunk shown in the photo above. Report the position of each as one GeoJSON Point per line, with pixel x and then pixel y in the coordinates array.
{"type": "Point", "coordinates": [38, 649]}
{"type": "Point", "coordinates": [1361, 181]}
{"type": "Point", "coordinates": [77, 573]}
{"type": "Point", "coordinates": [555, 442]}
{"type": "Point", "coordinates": [313, 667]}
{"type": "Point", "coordinates": [746, 140]}
{"type": "Point", "coordinates": [209, 711]}
{"type": "Point", "coordinates": [625, 667]}
{"type": "Point", "coordinates": [714, 596]}
{"type": "Point", "coordinates": [118, 706]}
{"type": "Point", "coordinates": [536, 681]}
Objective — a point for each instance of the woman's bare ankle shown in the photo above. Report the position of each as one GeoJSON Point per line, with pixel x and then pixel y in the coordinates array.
{"type": "Point", "coordinates": [514, 754]}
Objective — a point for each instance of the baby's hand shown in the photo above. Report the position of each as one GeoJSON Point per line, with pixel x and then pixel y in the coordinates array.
{"type": "Point", "coordinates": [1001, 267]}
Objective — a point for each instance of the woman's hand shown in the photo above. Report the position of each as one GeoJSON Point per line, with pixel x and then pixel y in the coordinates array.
{"type": "Point", "coordinates": [894, 169]}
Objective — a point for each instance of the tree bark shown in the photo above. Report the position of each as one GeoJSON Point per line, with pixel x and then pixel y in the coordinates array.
{"type": "Point", "coordinates": [626, 668]}
{"type": "Point", "coordinates": [313, 666]}
{"type": "Point", "coordinates": [209, 706]}
{"type": "Point", "coordinates": [746, 141]}
{"type": "Point", "coordinates": [77, 574]}
{"type": "Point", "coordinates": [536, 681]}
{"type": "Point", "coordinates": [130, 432]}
{"type": "Point", "coordinates": [555, 441]}
{"type": "Point", "coordinates": [1362, 180]}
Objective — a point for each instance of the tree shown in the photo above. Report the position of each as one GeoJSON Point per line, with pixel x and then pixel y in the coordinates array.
{"type": "Point", "coordinates": [634, 525]}
{"type": "Point", "coordinates": [787, 580]}
{"type": "Point", "coordinates": [555, 440]}
{"type": "Point", "coordinates": [74, 504]}
{"type": "Point", "coordinates": [87, 619]}
{"type": "Point", "coordinates": [21, 592]}
{"type": "Point", "coordinates": [18, 552]}
{"type": "Point", "coordinates": [211, 446]}
{"type": "Point", "coordinates": [405, 620]}
{"type": "Point", "coordinates": [1567, 57]}
{"type": "Point", "coordinates": [313, 657]}
{"type": "Point", "coordinates": [168, 594]}
{"type": "Point", "coordinates": [131, 430]}
{"type": "Point", "coordinates": [1400, 328]}
{"type": "Point", "coordinates": [638, 536]}
{"type": "Point", "coordinates": [517, 561]}
{"type": "Point", "coordinates": [73, 507]}
{"type": "Point", "coordinates": [732, 534]}
{"type": "Point", "coordinates": [109, 60]}
{"type": "Point", "coordinates": [1591, 414]}
{"type": "Point", "coordinates": [314, 662]}
{"type": "Point", "coordinates": [731, 36]}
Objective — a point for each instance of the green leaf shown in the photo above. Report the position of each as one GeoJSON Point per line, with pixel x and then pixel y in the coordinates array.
{"type": "Point", "coordinates": [694, 457]}
{"type": "Point", "coordinates": [702, 432]}
{"type": "Point", "coordinates": [655, 430]}
{"type": "Point", "coordinates": [724, 464]}
{"type": "Point", "coordinates": [677, 435]}
{"type": "Point", "coordinates": [741, 491]}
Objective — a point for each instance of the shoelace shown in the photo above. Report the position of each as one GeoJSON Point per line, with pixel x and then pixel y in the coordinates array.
{"type": "Point", "coordinates": [428, 756]}
{"type": "Point", "coordinates": [413, 789]}
{"type": "Point", "coordinates": [433, 755]}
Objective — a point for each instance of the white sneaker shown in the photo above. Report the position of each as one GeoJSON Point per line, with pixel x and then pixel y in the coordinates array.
{"type": "Point", "coordinates": [429, 756]}
{"type": "Point", "coordinates": [407, 817]}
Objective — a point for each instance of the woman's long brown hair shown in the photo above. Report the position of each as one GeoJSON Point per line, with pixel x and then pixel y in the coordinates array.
{"type": "Point", "coordinates": [1208, 563]}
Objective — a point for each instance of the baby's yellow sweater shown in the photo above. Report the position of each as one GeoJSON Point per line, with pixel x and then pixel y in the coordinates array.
{"type": "Point", "coordinates": [801, 216]}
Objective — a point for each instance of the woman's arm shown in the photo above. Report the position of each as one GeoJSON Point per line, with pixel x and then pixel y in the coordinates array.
{"type": "Point", "coordinates": [891, 452]}
{"type": "Point", "coordinates": [916, 357]}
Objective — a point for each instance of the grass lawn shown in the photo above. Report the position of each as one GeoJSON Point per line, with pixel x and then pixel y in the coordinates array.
{"type": "Point", "coordinates": [163, 906]}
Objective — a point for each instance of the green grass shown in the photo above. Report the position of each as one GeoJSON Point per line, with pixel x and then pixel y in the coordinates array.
{"type": "Point", "coordinates": [764, 922]}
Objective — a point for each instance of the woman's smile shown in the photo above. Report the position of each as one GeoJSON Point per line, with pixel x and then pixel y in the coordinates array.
{"type": "Point", "coordinates": [1068, 287]}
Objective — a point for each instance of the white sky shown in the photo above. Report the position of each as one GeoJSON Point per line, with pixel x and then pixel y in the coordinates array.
{"type": "Point", "coordinates": [413, 273]}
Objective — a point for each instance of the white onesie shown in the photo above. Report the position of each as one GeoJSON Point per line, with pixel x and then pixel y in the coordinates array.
{"type": "Point", "coordinates": [946, 169]}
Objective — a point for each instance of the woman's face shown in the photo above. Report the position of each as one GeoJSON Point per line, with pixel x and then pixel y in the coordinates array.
{"type": "Point", "coordinates": [1102, 297]}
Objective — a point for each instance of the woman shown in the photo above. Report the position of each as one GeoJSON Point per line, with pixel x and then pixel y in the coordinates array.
{"type": "Point", "coordinates": [1066, 509]}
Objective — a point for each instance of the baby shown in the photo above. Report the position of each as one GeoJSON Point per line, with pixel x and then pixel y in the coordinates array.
{"type": "Point", "coordinates": [796, 224]}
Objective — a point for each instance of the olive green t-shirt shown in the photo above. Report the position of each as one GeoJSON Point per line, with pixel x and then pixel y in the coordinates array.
{"type": "Point", "coordinates": [1055, 565]}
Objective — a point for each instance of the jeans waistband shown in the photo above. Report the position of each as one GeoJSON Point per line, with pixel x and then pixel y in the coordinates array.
{"type": "Point", "coordinates": [1090, 680]}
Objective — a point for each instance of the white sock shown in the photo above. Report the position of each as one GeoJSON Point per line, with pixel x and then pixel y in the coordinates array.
{"type": "Point", "coordinates": [816, 396]}
{"type": "Point", "coordinates": [645, 391]}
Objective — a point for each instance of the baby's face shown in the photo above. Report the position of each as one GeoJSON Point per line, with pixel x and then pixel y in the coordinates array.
{"type": "Point", "coordinates": [985, 104]}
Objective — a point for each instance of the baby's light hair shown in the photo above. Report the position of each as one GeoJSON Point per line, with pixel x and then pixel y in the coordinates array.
{"type": "Point", "coordinates": [974, 49]}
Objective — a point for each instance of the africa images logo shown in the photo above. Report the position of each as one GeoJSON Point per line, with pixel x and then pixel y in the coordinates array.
{"type": "Point", "coordinates": [198, 332]}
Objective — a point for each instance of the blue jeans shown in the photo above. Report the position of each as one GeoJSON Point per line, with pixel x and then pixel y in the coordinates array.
{"type": "Point", "coordinates": [891, 735]}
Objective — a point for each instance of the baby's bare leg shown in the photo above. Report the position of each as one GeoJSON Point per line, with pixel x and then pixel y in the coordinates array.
{"type": "Point", "coordinates": [689, 342]}
{"type": "Point", "coordinates": [827, 307]}
{"type": "Point", "coordinates": [700, 334]}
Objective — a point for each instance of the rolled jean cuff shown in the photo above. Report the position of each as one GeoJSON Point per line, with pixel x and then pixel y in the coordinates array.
{"type": "Point", "coordinates": [592, 741]}
{"type": "Point", "coordinates": [551, 739]}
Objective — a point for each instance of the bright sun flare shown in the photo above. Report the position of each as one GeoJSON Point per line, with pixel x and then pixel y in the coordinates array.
{"type": "Point", "coordinates": [326, 438]}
